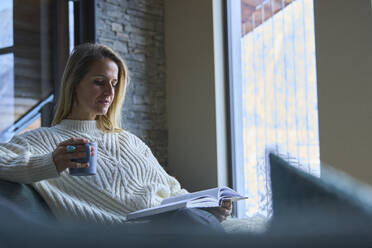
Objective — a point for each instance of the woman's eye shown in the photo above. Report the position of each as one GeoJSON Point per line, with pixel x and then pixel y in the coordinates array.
{"type": "Point", "coordinates": [99, 82]}
{"type": "Point", "coordinates": [114, 85]}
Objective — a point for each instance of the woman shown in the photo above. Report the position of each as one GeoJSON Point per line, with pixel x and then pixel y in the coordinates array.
{"type": "Point", "coordinates": [128, 176]}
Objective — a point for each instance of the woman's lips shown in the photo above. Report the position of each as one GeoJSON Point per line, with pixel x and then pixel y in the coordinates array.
{"type": "Point", "coordinates": [105, 102]}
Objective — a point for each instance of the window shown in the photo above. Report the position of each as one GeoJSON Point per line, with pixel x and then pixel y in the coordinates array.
{"type": "Point", "coordinates": [82, 22]}
{"type": "Point", "coordinates": [6, 64]}
{"type": "Point", "coordinates": [26, 64]}
{"type": "Point", "coordinates": [34, 49]}
{"type": "Point", "coordinates": [71, 22]}
{"type": "Point", "coordinates": [273, 95]}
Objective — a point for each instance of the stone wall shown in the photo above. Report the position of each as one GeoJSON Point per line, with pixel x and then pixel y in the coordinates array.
{"type": "Point", "coordinates": [134, 28]}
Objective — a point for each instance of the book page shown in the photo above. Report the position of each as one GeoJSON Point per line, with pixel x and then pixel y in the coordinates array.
{"type": "Point", "coordinates": [218, 194]}
{"type": "Point", "coordinates": [204, 193]}
{"type": "Point", "coordinates": [156, 210]}
{"type": "Point", "coordinates": [227, 193]}
{"type": "Point", "coordinates": [201, 199]}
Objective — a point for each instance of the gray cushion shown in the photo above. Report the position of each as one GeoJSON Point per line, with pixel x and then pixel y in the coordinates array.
{"type": "Point", "coordinates": [302, 202]}
{"type": "Point", "coordinates": [22, 198]}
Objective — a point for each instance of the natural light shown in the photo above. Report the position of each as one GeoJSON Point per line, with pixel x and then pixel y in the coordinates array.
{"type": "Point", "coordinates": [279, 96]}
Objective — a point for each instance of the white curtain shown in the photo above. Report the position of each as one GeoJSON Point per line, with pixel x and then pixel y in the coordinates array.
{"type": "Point", "coordinates": [279, 98]}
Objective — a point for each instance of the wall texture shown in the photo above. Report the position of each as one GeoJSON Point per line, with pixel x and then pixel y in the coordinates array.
{"type": "Point", "coordinates": [135, 29]}
{"type": "Point", "coordinates": [344, 61]}
{"type": "Point", "coordinates": [195, 86]}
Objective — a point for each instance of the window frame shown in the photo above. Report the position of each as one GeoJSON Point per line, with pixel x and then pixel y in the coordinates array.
{"type": "Point", "coordinates": [233, 31]}
{"type": "Point", "coordinates": [6, 50]}
{"type": "Point", "coordinates": [84, 21]}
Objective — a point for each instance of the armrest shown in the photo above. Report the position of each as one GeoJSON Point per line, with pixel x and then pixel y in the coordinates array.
{"type": "Point", "coordinates": [303, 202]}
{"type": "Point", "coordinates": [25, 198]}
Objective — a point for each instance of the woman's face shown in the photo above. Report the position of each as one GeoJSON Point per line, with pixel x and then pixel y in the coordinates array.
{"type": "Point", "coordinates": [95, 92]}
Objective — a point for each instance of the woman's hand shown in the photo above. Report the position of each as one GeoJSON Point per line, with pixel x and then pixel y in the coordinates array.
{"type": "Point", "coordinates": [222, 212]}
{"type": "Point", "coordinates": [62, 157]}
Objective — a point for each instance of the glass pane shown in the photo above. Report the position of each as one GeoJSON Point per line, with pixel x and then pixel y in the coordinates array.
{"type": "Point", "coordinates": [278, 94]}
{"type": "Point", "coordinates": [6, 23]}
{"type": "Point", "coordinates": [6, 90]}
{"type": "Point", "coordinates": [32, 54]}
{"type": "Point", "coordinates": [71, 27]}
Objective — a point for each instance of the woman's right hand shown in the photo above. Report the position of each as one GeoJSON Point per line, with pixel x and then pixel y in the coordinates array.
{"type": "Point", "coordinates": [62, 157]}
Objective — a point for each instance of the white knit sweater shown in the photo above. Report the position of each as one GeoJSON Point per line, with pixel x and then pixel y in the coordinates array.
{"type": "Point", "coordinates": [128, 176]}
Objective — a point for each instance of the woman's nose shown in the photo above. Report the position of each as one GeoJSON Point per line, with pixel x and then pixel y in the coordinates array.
{"type": "Point", "coordinates": [109, 90]}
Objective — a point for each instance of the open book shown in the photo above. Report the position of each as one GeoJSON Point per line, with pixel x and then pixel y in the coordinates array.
{"type": "Point", "coordinates": [201, 199]}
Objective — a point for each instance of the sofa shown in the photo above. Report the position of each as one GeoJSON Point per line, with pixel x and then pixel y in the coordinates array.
{"type": "Point", "coordinates": [307, 212]}
{"type": "Point", "coordinates": [24, 200]}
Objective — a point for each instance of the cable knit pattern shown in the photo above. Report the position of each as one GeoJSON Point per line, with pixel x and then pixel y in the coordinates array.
{"type": "Point", "coordinates": [128, 176]}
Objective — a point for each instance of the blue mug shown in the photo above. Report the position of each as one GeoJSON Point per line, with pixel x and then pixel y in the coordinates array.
{"type": "Point", "coordinates": [92, 160]}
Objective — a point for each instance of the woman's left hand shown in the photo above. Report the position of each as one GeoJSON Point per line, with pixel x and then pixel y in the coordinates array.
{"type": "Point", "coordinates": [222, 212]}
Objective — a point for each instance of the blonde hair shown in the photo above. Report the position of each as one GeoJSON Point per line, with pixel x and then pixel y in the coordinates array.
{"type": "Point", "coordinates": [78, 65]}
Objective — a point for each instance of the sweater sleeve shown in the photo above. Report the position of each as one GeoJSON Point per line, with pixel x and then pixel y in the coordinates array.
{"type": "Point", "coordinates": [19, 164]}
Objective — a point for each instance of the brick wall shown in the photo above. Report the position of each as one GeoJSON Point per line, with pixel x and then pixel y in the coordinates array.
{"type": "Point", "coordinates": [134, 28]}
